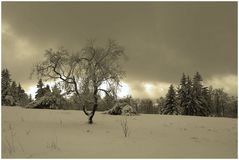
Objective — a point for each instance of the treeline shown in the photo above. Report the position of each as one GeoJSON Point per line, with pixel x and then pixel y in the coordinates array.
{"type": "Point", "coordinates": [13, 94]}
{"type": "Point", "coordinates": [190, 97]}
{"type": "Point", "coordinates": [48, 98]}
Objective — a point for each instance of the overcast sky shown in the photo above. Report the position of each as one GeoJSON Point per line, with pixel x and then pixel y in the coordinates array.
{"type": "Point", "coordinates": [162, 40]}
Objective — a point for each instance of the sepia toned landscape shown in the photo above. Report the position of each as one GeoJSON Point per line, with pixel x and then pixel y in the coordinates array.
{"type": "Point", "coordinates": [119, 80]}
{"type": "Point", "coordinates": [65, 134]}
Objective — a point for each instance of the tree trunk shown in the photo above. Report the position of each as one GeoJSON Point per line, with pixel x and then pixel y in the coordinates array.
{"type": "Point", "coordinates": [91, 115]}
{"type": "Point", "coordinates": [222, 110]}
{"type": "Point", "coordinates": [217, 107]}
{"type": "Point", "coordinates": [85, 111]}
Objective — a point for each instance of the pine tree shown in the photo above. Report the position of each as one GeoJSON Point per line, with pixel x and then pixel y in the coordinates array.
{"type": "Point", "coordinates": [198, 99]}
{"type": "Point", "coordinates": [40, 91]}
{"type": "Point", "coordinates": [189, 106]}
{"type": "Point", "coordinates": [20, 92]}
{"type": "Point", "coordinates": [170, 106]}
{"type": "Point", "coordinates": [220, 101]}
{"type": "Point", "coordinates": [56, 91]}
{"type": "Point", "coordinates": [56, 94]}
{"type": "Point", "coordinates": [22, 98]}
{"type": "Point", "coordinates": [146, 106]}
{"type": "Point", "coordinates": [47, 90]}
{"type": "Point", "coordinates": [182, 94]}
{"type": "Point", "coordinates": [6, 83]}
{"type": "Point", "coordinates": [14, 93]}
{"type": "Point", "coordinates": [210, 100]}
{"type": "Point", "coordinates": [207, 101]}
{"type": "Point", "coordinates": [161, 102]}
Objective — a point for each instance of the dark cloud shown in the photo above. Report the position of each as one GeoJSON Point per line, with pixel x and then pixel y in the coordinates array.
{"type": "Point", "coordinates": [162, 39]}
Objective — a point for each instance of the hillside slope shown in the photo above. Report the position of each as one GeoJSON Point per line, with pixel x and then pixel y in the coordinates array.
{"type": "Point", "coordinates": [65, 134]}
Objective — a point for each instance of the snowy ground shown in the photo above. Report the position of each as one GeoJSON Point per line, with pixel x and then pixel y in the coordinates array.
{"type": "Point", "coordinates": [29, 133]}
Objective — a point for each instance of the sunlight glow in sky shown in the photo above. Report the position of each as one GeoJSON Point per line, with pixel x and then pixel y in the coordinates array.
{"type": "Point", "coordinates": [175, 43]}
{"type": "Point", "coordinates": [124, 89]}
{"type": "Point", "coordinates": [157, 89]}
{"type": "Point", "coordinates": [148, 88]}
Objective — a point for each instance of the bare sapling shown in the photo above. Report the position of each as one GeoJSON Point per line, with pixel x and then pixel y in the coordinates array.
{"type": "Point", "coordinates": [125, 126]}
{"type": "Point", "coordinates": [53, 145]}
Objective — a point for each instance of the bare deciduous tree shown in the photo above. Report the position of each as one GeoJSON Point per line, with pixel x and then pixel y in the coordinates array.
{"type": "Point", "coordinates": [221, 101]}
{"type": "Point", "coordinates": [85, 72]}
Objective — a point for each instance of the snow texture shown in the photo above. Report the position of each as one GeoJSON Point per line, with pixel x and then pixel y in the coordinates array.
{"type": "Point", "coordinates": [42, 133]}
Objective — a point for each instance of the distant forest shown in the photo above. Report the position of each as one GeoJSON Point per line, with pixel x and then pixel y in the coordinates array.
{"type": "Point", "coordinates": [190, 97]}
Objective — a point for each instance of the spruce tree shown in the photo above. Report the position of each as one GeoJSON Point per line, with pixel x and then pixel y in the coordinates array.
{"type": "Point", "coordinates": [161, 102]}
{"type": "Point", "coordinates": [170, 106]}
{"type": "Point", "coordinates": [182, 94]}
{"type": "Point", "coordinates": [22, 98]}
{"type": "Point", "coordinates": [146, 106]}
{"type": "Point", "coordinates": [189, 106]}
{"type": "Point", "coordinates": [56, 91]}
{"type": "Point", "coordinates": [198, 100]}
{"type": "Point", "coordinates": [210, 100]}
{"type": "Point", "coordinates": [207, 101]}
{"type": "Point", "coordinates": [6, 83]}
{"type": "Point", "coordinates": [47, 90]}
{"type": "Point", "coordinates": [14, 93]}
{"type": "Point", "coordinates": [56, 94]}
{"type": "Point", "coordinates": [220, 101]}
{"type": "Point", "coordinates": [40, 91]}
{"type": "Point", "coordinates": [20, 92]}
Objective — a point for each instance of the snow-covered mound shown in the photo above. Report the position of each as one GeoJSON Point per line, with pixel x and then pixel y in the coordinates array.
{"type": "Point", "coordinates": [121, 109]}
{"type": "Point", "coordinates": [45, 102]}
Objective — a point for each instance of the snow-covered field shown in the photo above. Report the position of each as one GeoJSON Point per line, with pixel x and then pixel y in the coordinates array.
{"type": "Point", "coordinates": [37, 133]}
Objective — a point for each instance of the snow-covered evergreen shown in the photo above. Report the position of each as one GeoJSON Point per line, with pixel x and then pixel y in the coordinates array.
{"type": "Point", "coordinates": [182, 95]}
{"type": "Point", "coordinates": [170, 106]}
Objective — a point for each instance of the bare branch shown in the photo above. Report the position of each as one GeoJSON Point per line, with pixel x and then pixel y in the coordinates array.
{"type": "Point", "coordinates": [105, 91]}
